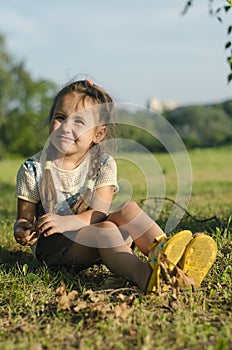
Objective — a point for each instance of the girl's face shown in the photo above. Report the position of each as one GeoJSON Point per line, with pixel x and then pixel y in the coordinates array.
{"type": "Point", "coordinates": [73, 127]}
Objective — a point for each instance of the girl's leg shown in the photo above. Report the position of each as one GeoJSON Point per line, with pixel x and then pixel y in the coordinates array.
{"type": "Point", "coordinates": [131, 218]}
{"type": "Point", "coordinates": [105, 242]}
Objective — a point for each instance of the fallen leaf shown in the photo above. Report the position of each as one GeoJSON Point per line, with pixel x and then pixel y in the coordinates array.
{"type": "Point", "coordinates": [61, 290]}
{"type": "Point", "coordinates": [182, 278]}
{"type": "Point", "coordinates": [122, 311]}
{"type": "Point", "coordinates": [73, 297]}
{"type": "Point", "coordinates": [63, 302]}
{"type": "Point", "coordinates": [121, 296]}
{"type": "Point", "coordinates": [82, 304]}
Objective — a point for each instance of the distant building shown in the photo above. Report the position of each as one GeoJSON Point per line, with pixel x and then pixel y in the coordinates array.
{"type": "Point", "coordinates": [155, 105]}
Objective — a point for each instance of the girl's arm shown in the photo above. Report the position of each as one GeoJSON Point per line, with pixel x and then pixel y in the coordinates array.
{"type": "Point", "coordinates": [50, 223]}
{"type": "Point", "coordinates": [24, 230]}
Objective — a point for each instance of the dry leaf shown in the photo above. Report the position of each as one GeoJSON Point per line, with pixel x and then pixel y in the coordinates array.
{"type": "Point", "coordinates": [172, 277]}
{"type": "Point", "coordinates": [63, 302]}
{"type": "Point", "coordinates": [174, 305]}
{"type": "Point", "coordinates": [61, 290]}
{"type": "Point", "coordinates": [182, 278]}
{"type": "Point", "coordinates": [73, 297]}
{"type": "Point", "coordinates": [88, 294]}
{"type": "Point", "coordinates": [121, 297]}
{"type": "Point", "coordinates": [82, 304]}
{"type": "Point", "coordinates": [122, 311]}
{"type": "Point", "coordinates": [132, 332]}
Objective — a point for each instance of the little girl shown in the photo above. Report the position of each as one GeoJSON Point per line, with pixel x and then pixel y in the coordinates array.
{"type": "Point", "coordinates": [65, 192]}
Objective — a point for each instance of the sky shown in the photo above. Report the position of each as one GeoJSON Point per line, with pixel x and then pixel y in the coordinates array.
{"type": "Point", "coordinates": [135, 49]}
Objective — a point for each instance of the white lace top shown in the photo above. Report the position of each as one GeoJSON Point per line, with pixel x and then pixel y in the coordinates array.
{"type": "Point", "coordinates": [69, 183]}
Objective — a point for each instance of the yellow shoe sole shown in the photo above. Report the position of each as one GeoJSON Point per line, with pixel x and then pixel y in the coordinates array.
{"type": "Point", "coordinates": [176, 245]}
{"type": "Point", "coordinates": [198, 258]}
{"type": "Point", "coordinates": [173, 249]}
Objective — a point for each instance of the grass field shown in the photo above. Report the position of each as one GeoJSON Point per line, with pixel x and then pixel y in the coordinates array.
{"type": "Point", "coordinates": [61, 309]}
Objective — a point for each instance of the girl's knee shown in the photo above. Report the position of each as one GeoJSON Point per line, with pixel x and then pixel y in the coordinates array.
{"type": "Point", "coordinates": [106, 229]}
{"type": "Point", "coordinates": [129, 208]}
{"type": "Point", "coordinates": [124, 213]}
{"type": "Point", "coordinates": [108, 235]}
{"type": "Point", "coordinates": [107, 225]}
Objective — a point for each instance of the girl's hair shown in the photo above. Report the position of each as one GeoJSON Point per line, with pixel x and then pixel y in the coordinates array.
{"type": "Point", "coordinates": [105, 110]}
{"type": "Point", "coordinates": [85, 89]}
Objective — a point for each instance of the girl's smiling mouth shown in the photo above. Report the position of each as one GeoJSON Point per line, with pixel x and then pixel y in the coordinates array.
{"type": "Point", "coordinates": [66, 138]}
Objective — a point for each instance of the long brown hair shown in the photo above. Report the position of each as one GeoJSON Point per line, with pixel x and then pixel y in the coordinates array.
{"type": "Point", "coordinates": [84, 89]}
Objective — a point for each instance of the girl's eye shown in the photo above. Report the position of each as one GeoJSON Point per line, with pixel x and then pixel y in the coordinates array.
{"type": "Point", "coordinates": [79, 122]}
{"type": "Point", "coordinates": [59, 118]}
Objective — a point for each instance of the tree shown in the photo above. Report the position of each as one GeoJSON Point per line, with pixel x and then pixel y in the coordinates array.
{"type": "Point", "coordinates": [203, 126]}
{"type": "Point", "coordinates": [24, 105]}
{"type": "Point", "coordinates": [218, 12]}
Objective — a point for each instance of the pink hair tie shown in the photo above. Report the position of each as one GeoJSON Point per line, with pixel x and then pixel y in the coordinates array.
{"type": "Point", "coordinates": [89, 82]}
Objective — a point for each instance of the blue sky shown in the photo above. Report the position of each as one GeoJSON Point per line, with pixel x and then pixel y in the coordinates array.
{"type": "Point", "coordinates": [135, 49]}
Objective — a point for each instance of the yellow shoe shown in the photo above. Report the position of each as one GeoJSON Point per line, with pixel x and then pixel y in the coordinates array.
{"type": "Point", "coordinates": [198, 258]}
{"type": "Point", "coordinates": [173, 249]}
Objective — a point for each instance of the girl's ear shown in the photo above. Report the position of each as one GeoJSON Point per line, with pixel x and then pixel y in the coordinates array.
{"type": "Point", "coordinates": [100, 133]}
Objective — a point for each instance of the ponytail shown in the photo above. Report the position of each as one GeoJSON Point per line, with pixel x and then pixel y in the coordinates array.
{"type": "Point", "coordinates": [48, 192]}
{"type": "Point", "coordinates": [83, 202]}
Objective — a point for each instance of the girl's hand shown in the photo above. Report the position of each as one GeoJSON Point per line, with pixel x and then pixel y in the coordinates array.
{"type": "Point", "coordinates": [25, 232]}
{"type": "Point", "coordinates": [49, 224]}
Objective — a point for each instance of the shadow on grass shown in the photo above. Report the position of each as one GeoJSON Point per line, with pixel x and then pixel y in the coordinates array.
{"type": "Point", "coordinates": [10, 258]}
{"type": "Point", "coordinates": [95, 277]}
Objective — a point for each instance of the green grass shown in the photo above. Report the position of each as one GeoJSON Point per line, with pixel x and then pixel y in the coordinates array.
{"type": "Point", "coordinates": [106, 313]}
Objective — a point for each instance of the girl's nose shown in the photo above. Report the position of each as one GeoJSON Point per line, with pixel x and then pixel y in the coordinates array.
{"type": "Point", "coordinates": [67, 126]}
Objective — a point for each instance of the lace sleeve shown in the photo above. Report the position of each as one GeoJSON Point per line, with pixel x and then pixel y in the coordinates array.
{"type": "Point", "coordinates": [108, 174]}
{"type": "Point", "coordinates": [26, 184]}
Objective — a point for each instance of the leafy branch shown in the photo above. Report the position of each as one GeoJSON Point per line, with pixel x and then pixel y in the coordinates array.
{"type": "Point", "coordinates": [218, 13]}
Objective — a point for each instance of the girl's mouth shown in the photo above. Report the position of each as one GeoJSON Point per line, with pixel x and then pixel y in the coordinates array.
{"type": "Point", "coordinates": [66, 138]}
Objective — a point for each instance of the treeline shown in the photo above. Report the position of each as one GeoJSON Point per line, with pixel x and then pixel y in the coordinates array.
{"type": "Point", "coordinates": [197, 126]}
{"type": "Point", "coordinates": [203, 126]}
{"type": "Point", "coordinates": [25, 103]}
